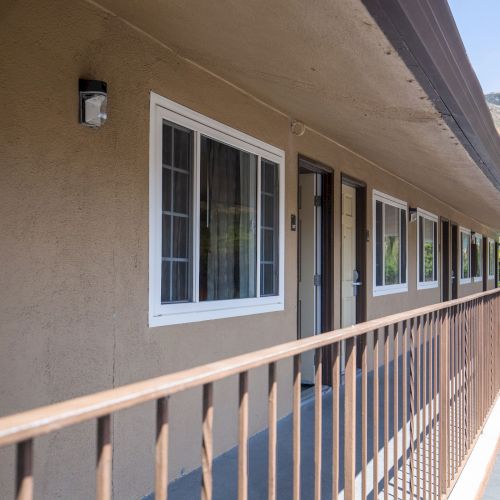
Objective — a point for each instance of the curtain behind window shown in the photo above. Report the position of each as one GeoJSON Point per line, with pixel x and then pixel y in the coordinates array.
{"type": "Point", "coordinates": [228, 222]}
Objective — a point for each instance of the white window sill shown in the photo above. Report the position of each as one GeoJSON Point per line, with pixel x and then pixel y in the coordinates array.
{"type": "Point", "coordinates": [426, 285]}
{"type": "Point", "coordinates": [178, 318]}
{"type": "Point", "coordinates": [389, 290]}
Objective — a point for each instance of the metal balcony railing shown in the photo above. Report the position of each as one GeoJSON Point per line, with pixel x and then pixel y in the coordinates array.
{"type": "Point", "coordinates": [444, 361]}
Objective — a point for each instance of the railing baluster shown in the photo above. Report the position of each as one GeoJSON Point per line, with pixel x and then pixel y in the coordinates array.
{"type": "Point", "coordinates": [418, 407]}
{"type": "Point", "coordinates": [364, 413]}
{"type": "Point", "coordinates": [318, 416]}
{"type": "Point", "coordinates": [161, 457]}
{"type": "Point", "coordinates": [428, 374]}
{"type": "Point", "coordinates": [207, 442]}
{"type": "Point", "coordinates": [425, 380]}
{"type": "Point", "coordinates": [462, 382]}
{"type": "Point", "coordinates": [376, 410]}
{"type": "Point", "coordinates": [412, 409]}
{"type": "Point", "coordinates": [104, 458]}
{"type": "Point", "coordinates": [435, 461]}
{"type": "Point", "coordinates": [455, 391]}
{"type": "Point", "coordinates": [24, 470]}
{"type": "Point", "coordinates": [386, 413]}
{"type": "Point", "coordinates": [404, 389]}
{"type": "Point", "coordinates": [451, 406]}
{"type": "Point", "coordinates": [243, 437]}
{"type": "Point", "coordinates": [395, 407]}
{"type": "Point", "coordinates": [443, 399]}
{"type": "Point", "coordinates": [466, 378]}
{"type": "Point", "coordinates": [272, 418]}
{"type": "Point", "coordinates": [350, 419]}
{"type": "Point", "coordinates": [335, 419]}
{"type": "Point", "coordinates": [297, 376]}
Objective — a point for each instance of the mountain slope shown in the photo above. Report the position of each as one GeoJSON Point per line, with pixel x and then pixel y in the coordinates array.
{"type": "Point", "coordinates": [493, 101]}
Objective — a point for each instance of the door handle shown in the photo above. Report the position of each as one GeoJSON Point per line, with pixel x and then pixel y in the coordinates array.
{"type": "Point", "coordinates": [357, 283]}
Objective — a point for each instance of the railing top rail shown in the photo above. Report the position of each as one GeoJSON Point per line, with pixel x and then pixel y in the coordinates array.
{"type": "Point", "coordinates": [32, 423]}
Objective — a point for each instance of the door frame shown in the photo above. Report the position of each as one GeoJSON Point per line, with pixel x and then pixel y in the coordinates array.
{"type": "Point", "coordinates": [361, 253]}
{"type": "Point", "coordinates": [361, 237]}
{"type": "Point", "coordinates": [305, 165]}
{"type": "Point", "coordinates": [485, 263]}
{"type": "Point", "coordinates": [445, 248]}
{"type": "Point", "coordinates": [454, 239]}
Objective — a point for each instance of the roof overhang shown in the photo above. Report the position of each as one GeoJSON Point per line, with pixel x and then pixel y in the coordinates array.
{"type": "Point", "coordinates": [388, 80]}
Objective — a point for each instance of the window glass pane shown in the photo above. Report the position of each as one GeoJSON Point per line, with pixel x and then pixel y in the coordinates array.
{"type": "Point", "coordinates": [176, 206]}
{"type": "Point", "coordinates": [167, 189]}
{"type": "Point", "coordinates": [491, 258]}
{"type": "Point", "coordinates": [166, 236]}
{"type": "Point", "coordinates": [379, 234]}
{"type": "Point", "coordinates": [465, 256]}
{"type": "Point", "coordinates": [180, 238]}
{"type": "Point", "coordinates": [181, 192]}
{"type": "Point", "coordinates": [391, 245]}
{"type": "Point", "coordinates": [182, 149]}
{"type": "Point", "coordinates": [435, 226]}
{"type": "Point", "coordinates": [166, 146]}
{"type": "Point", "coordinates": [165, 281]}
{"type": "Point", "coordinates": [269, 244]}
{"type": "Point", "coordinates": [179, 282]}
{"type": "Point", "coordinates": [428, 250]}
{"type": "Point", "coordinates": [267, 281]}
{"type": "Point", "coordinates": [228, 229]}
{"type": "Point", "coordinates": [478, 268]}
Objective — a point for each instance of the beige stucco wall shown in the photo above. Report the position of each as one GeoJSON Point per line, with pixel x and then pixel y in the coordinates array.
{"type": "Point", "coordinates": [74, 245]}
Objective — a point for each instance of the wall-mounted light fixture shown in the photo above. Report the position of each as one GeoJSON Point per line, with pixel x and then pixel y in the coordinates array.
{"type": "Point", "coordinates": [93, 102]}
{"type": "Point", "coordinates": [413, 214]}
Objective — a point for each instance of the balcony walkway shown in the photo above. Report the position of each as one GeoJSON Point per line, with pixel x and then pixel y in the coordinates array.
{"type": "Point", "coordinates": [225, 472]}
{"type": "Point", "coordinates": [492, 490]}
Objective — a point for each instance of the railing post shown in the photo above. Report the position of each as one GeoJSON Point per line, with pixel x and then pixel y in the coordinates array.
{"type": "Point", "coordinates": [243, 438]}
{"type": "Point", "coordinates": [104, 458]}
{"type": "Point", "coordinates": [272, 418]}
{"type": "Point", "coordinates": [318, 412]}
{"type": "Point", "coordinates": [24, 471]}
{"type": "Point", "coordinates": [443, 402]}
{"type": "Point", "coordinates": [161, 456]}
{"type": "Point", "coordinates": [207, 442]}
{"type": "Point", "coordinates": [350, 419]}
{"type": "Point", "coordinates": [297, 379]}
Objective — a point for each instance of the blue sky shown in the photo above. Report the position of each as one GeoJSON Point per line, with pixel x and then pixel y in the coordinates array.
{"type": "Point", "coordinates": [479, 24]}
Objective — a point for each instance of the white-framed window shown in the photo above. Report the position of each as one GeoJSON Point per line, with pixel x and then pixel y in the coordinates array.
{"type": "Point", "coordinates": [216, 241]}
{"type": "Point", "coordinates": [491, 259]}
{"type": "Point", "coordinates": [427, 250]}
{"type": "Point", "coordinates": [390, 217]}
{"type": "Point", "coordinates": [477, 256]}
{"type": "Point", "coordinates": [465, 255]}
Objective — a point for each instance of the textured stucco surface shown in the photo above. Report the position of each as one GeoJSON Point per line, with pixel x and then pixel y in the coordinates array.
{"type": "Point", "coordinates": [74, 245]}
